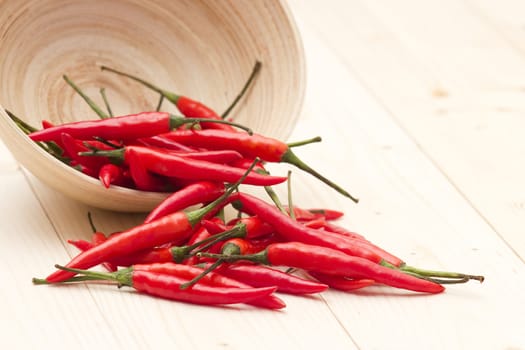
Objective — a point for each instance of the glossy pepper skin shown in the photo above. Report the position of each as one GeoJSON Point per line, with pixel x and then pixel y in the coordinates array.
{"type": "Point", "coordinates": [127, 127]}
{"type": "Point", "coordinates": [251, 146]}
{"type": "Point", "coordinates": [168, 284]}
{"type": "Point", "coordinates": [190, 108]}
{"type": "Point", "coordinates": [262, 276]}
{"type": "Point", "coordinates": [192, 194]}
{"type": "Point", "coordinates": [172, 165]}
{"type": "Point", "coordinates": [333, 262]}
{"type": "Point", "coordinates": [215, 279]}
{"type": "Point", "coordinates": [292, 230]}
{"type": "Point", "coordinates": [167, 229]}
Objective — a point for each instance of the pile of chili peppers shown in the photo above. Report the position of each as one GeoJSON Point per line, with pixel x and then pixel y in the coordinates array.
{"type": "Point", "coordinates": [198, 255]}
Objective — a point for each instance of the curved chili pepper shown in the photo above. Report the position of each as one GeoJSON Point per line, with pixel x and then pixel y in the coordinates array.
{"type": "Point", "coordinates": [340, 282]}
{"type": "Point", "coordinates": [258, 276]}
{"type": "Point", "coordinates": [255, 227]}
{"type": "Point", "coordinates": [255, 145]}
{"type": "Point", "coordinates": [331, 261]}
{"type": "Point", "coordinates": [162, 142]}
{"type": "Point", "coordinates": [219, 156]}
{"type": "Point", "coordinates": [188, 107]}
{"type": "Point", "coordinates": [192, 194]}
{"type": "Point", "coordinates": [111, 174]}
{"type": "Point", "coordinates": [143, 179]}
{"type": "Point", "coordinates": [189, 272]}
{"type": "Point", "coordinates": [293, 230]}
{"type": "Point", "coordinates": [176, 226]}
{"type": "Point", "coordinates": [200, 235]}
{"type": "Point", "coordinates": [80, 244]}
{"type": "Point", "coordinates": [128, 127]}
{"type": "Point", "coordinates": [168, 287]}
{"type": "Point", "coordinates": [72, 148]}
{"type": "Point", "coordinates": [328, 214]}
{"type": "Point", "coordinates": [171, 165]}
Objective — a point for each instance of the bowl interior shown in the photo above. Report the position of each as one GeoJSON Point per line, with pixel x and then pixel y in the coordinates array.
{"type": "Point", "coordinates": [201, 49]}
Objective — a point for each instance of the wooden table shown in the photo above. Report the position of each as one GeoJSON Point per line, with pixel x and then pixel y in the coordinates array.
{"type": "Point", "coordinates": [421, 106]}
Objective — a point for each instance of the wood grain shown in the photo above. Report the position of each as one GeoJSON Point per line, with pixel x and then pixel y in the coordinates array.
{"type": "Point", "coordinates": [396, 92]}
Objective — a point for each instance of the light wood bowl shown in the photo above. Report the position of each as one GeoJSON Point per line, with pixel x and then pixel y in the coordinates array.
{"type": "Point", "coordinates": [201, 49]}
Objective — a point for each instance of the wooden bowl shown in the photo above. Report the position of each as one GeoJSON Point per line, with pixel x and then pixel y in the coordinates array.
{"type": "Point", "coordinates": [201, 49]}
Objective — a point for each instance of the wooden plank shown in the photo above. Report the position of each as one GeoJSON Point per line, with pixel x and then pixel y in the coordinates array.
{"type": "Point", "coordinates": [409, 206]}
{"type": "Point", "coordinates": [452, 83]}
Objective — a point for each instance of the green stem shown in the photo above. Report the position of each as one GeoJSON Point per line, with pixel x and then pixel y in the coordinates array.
{"type": "Point", "coordinates": [291, 158]}
{"type": "Point", "coordinates": [123, 276]}
{"type": "Point", "coordinates": [90, 219]}
{"type": "Point", "coordinates": [50, 146]}
{"type": "Point", "coordinates": [106, 102]}
{"type": "Point", "coordinates": [290, 201]}
{"type": "Point", "coordinates": [177, 121]}
{"type": "Point", "coordinates": [89, 101]}
{"type": "Point", "coordinates": [183, 252]}
{"type": "Point", "coordinates": [305, 142]}
{"type": "Point", "coordinates": [272, 194]}
{"type": "Point", "coordinates": [259, 258]}
{"type": "Point", "coordinates": [201, 275]}
{"type": "Point", "coordinates": [255, 71]}
{"type": "Point", "coordinates": [194, 217]}
{"type": "Point", "coordinates": [440, 274]}
{"type": "Point", "coordinates": [170, 96]}
{"type": "Point", "coordinates": [161, 99]}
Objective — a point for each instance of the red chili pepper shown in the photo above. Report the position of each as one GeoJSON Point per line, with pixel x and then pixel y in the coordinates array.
{"type": "Point", "coordinates": [355, 239]}
{"type": "Point", "coordinates": [80, 244]}
{"type": "Point", "coordinates": [171, 165]}
{"type": "Point", "coordinates": [219, 156]}
{"type": "Point", "coordinates": [128, 127]}
{"type": "Point", "coordinates": [342, 283]}
{"type": "Point", "coordinates": [111, 174]}
{"type": "Point", "coordinates": [192, 194]}
{"type": "Point", "coordinates": [251, 146]}
{"type": "Point", "coordinates": [72, 149]}
{"type": "Point", "coordinates": [293, 230]}
{"type": "Point", "coordinates": [261, 276]}
{"type": "Point", "coordinates": [255, 227]}
{"type": "Point", "coordinates": [188, 107]}
{"type": "Point", "coordinates": [162, 142]}
{"type": "Point", "coordinates": [331, 261]}
{"type": "Point", "coordinates": [212, 278]}
{"type": "Point", "coordinates": [143, 179]}
{"type": "Point", "coordinates": [200, 235]}
{"type": "Point", "coordinates": [328, 214]}
{"type": "Point", "coordinates": [169, 287]}
{"type": "Point", "coordinates": [178, 225]}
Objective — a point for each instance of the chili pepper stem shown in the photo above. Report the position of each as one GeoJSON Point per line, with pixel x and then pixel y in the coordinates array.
{"type": "Point", "coordinates": [180, 253]}
{"type": "Point", "coordinates": [450, 277]}
{"type": "Point", "coordinates": [201, 275]}
{"type": "Point", "coordinates": [441, 274]}
{"type": "Point", "coordinates": [290, 199]}
{"type": "Point", "coordinates": [106, 102]}
{"type": "Point", "coordinates": [50, 147]}
{"type": "Point", "coordinates": [122, 277]}
{"type": "Point", "coordinates": [89, 101]}
{"type": "Point", "coordinates": [177, 121]}
{"type": "Point", "coordinates": [260, 258]}
{"type": "Point", "coordinates": [291, 158]}
{"type": "Point", "coordinates": [159, 104]}
{"type": "Point", "coordinates": [255, 71]}
{"type": "Point", "coordinates": [173, 98]}
{"type": "Point", "coordinates": [70, 280]}
{"type": "Point", "coordinates": [304, 142]}
{"type": "Point", "coordinates": [271, 193]}
{"type": "Point", "coordinates": [194, 217]}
